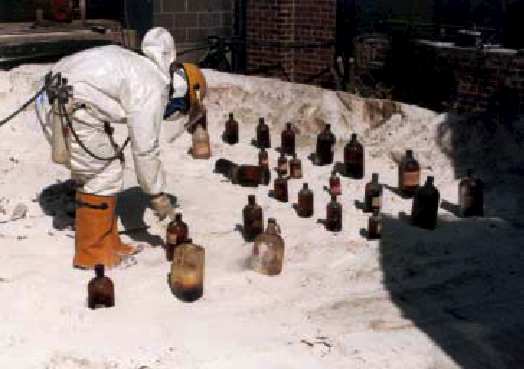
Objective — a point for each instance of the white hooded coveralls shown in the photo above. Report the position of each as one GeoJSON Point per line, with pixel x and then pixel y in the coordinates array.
{"type": "Point", "coordinates": [119, 86]}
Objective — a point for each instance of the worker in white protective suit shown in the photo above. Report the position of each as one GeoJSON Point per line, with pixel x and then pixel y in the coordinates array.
{"type": "Point", "coordinates": [113, 85]}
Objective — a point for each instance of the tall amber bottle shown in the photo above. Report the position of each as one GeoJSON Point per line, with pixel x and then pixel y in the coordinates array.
{"type": "Point", "coordinates": [305, 206]}
{"type": "Point", "coordinates": [375, 225]}
{"type": "Point", "coordinates": [408, 174]}
{"type": "Point", "coordinates": [100, 290]}
{"type": "Point", "coordinates": [253, 219]}
{"type": "Point", "coordinates": [187, 272]}
{"type": "Point", "coordinates": [287, 146]}
{"type": "Point", "coordinates": [471, 196]}
{"type": "Point", "coordinates": [325, 146]}
{"type": "Point", "coordinates": [425, 206]}
{"type": "Point", "coordinates": [335, 187]}
{"type": "Point", "coordinates": [268, 250]}
{"type": "Point", "coordinates": [354, 158]}
{"type": "Point", "coordinates": [280, 189]}
{"type": "Point", "coordinates": [231, 131]}
{"type": "Point", "coordinates": [201, 146]}
{"type": "Point", "coordinates": [334, 215]}
{"type": "Point", "coordinates": [295, 167]}
{"type": "Point", "coordinates": [373, 195]}
{"type": "Point", "coordinates": [263, 135]}
{"type": "Point", "coordinates": [176, 234]}
{"type": "Point", "coordinates": [282, 165]}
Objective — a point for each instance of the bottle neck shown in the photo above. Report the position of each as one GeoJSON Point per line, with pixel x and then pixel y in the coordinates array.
{"type": "Point", "coordinates": [374, 178]}
{"type": "Point", "coordinates": [252, 201]}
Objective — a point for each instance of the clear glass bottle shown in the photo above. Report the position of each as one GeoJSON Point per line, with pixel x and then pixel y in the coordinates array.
{"type": "Point", "coordinates": [334, 184]}
{"type": "Point", "coordinates": [325, 146]}
{"type": "Point", "coordinates": [282, 165]}
{"type": "Point", "coordinates": [287, 146]}
{"type": "Point", "coordinates": [334, 215]}
{"type": "Point", "coordinates": [187, 272]}
{"type": "Point", "coordinates": [280, 188]}
{"type": "Point", "coordinates": [375, 225]}
{"type": "Point", "coordinates": [471, 196]}
{"type": "Point", "coordinates": [424, 211]}
{"type": "Point", "coordinates": [373, 195]}
{"type": "Point", "coordinates": [231, 131]}
{"type": "Point", "coordinates": [263, 135]}
{"type": "Point", "coordinates": [268, 250]}
{"type": "Point", "coordinates": [408, 174]}
{"type": "Point", "coordinates": [354, 158]}
{"type": "Point", "coordinates": [176, 234]}
{"type": "Point", "coordinates": [295, 167]}
{"type": "Point", "coordinates": [100, 290]}
{"type": "Point", "coordinates": [305, 206]}
{"type": "Point", "coordinates": [253, 218]}
{"type": "Point", "coordinates": [201, 146]}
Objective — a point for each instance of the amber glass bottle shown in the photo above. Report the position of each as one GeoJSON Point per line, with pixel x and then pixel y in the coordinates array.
{"type": "Point", "coordinates": [263, 135]}
{"type": "Point", "coordinates": [187, 272]}
{"type": "Point", "coordinates": [231, 131]}
{"type": "Point", "coordinates": [305, 206]}
{"type": "Point", "coordinates": [325, 146]}
{"type": "Point", "coordinates": [280, 190]}
{"type": "Point", "coordinates": [268, 250]}
{"type": "Point", "coordinates": [334, 215]}
{"type": "Point", "coordinates": [287, 146]}
{"type": "Point", "coordinates": [295, 167]}
{"type": "Point", "coordinates": [425, 206]}
{"type": "Point", "coordinates": [253, 219]}
{"type": "Point", "coordinates": [334, 184]}
{"type": "Point", "coordinates": [201, 147]}
{"type": "Point", "coordinates": [373, 195]}
{"type": "Point", "coordinates": [246, 175]}
{"type": "Point", "coordinates": [177, 233]}
{"type": "Point", "coordinates": [354, 158]}
{"type": "Point", "coordinates": [408, 174]}
{"type": "Point", "coordinates": [471, 196]}
{"type": "Point", "coordinates": [263, 157]}
{"type": "Point", "coordinates": [282, 165]}
{"type": "Point", "coordinates": [375, 225]}
{"type": "Point", "coordinates": [265, 175]}
{"type": "Point", "coordinates": [100, 290]}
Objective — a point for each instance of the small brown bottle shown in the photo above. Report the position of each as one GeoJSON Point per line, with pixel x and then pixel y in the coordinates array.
{"type": "Point", "coordinates": [295, 167]}
{"type": "Point", "coordinates": [100, 290]}
{"type": "Point", "coordinates": [325, 146]}
{"type": "Point", "coordinates": [305, 206]}
{"type": "Point", "coordinates": [375, 225]}
{"type": "Point", "coordinates": [282, 165]}
{"type": "Point", "coordinates": [187, 272]}
{"type": "Point", "coordinates": [280, 190]}
{"type": "Point", "coordinates": [253, 219]}
{"type": "Point", "coordinates": [334, 215]}
{"type": "Point", "coordinates": [263, 157]}
{"type": "Point", "coordinates": [334, 184]}
{"type": "Point", "coordinates": [287, 146]}
{"type": "Point", "coordinates": [471, 196]}
{"type": "Point", "coordinates": [176, 234]}
{"type": "Point", "coordinates": [201, 147]}
{"type": "Point", "coordinates": [231, 132]}
{"type": "Point", "coordinates": [265, 175]}
{"type": "Point", "coordinates": [354, 158]}
{"type": "Point", "coordinates": [408, 175]}
{"type": "Point", "coordinates": [263, 135]}
{"type": "Point", "coordinates": [373, 195]}
{"type": "Point", "coordinates": [425, 206]}
{"type": "Point", "coordinates": [268, 250]}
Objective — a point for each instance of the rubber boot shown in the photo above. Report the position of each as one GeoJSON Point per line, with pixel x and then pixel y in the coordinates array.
{"type": "Point", "coordinates": [95, 232]}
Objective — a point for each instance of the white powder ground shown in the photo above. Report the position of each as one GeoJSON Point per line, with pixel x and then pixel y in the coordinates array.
{"type": "Point", "coordinates": [417, 299]}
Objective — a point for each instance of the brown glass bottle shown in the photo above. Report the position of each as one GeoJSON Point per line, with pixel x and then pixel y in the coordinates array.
{"type": "Point", "coordinates": [246, 175]}
{"type": "Point", "coordinates": [253, 219]}
{"type": "Point", "coordinates": [282, 165]}
{"type": "Point", "coordinates": [187, 272]}
{"type": "Point", "coordinates": [334, 184]}
{"type": "Point", "coordinates": [334, 215]}
{"type": "Point", "coordinates": [325, 146]}
{"type": "Point", "coordinates": [231, 131]}
{"type": "Point", "coordinates": [373, 195]}
{"type": "Point", "coordinates": [305, 206]}
{"type": "Point", "coordinates": [295, 167]}
{"type": "Point", "coordinates": [263, 157]}
{"type": "Point", "coordinates": [425, 206]}
{"type": "Point", "coordinates": [265, 175]}
{"type": "Point", "coordinates": [280, 189]}
{"type": "Point", "coordinates": [100, 290]}
{"type": "Point", "coordinates": [354, 158]}
{"type": "Point", "coordinates": [471, 196]}
{"type": "Point", "coordinates": [263, 135]}
{"type": "Point", "coordinates": [375, 225]}
{"type": "Point", "coordinates": [287, 146]}
{"type": "Point", "coordinates": [408, 175]}
{"type": "Point", "coordinates": [268, 250]}
{"type": "Point", "coordinates": [201, 146]}
{"type": "Point", "coordinates": [176, 234]}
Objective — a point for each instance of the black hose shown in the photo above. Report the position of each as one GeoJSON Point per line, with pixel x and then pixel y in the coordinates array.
{"type": "Point", "coordinates": [25, 105]}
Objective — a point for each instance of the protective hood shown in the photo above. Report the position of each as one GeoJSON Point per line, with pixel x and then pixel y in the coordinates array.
{"type": "Point", "coordinates": [159, 46]}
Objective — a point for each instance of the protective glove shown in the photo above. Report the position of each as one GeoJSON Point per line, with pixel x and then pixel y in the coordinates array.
{"type": "Point", "coordinates": [162, 206]}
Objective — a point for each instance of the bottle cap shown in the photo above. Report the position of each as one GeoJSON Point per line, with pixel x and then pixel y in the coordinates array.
{"type": "Point", "coordinates": [251, 199]}
{"type": "Point", "coordinates": [178, 217]}
{"type": "Point", "coordinates": [99, 270]}
{"type": "Point", "coordinates": [328, 127]}
{"type": "Point", "coordinates": [409, 153]}
{"type": "Point", "coordinates": [231, 116]}
{"type": "Point", "coordinates": [271, 221]}
{"type": "Point", "coordinates": [374, 177]}
{"type": "Point", "coordinates": [261, 120]}
{"type": "Point", "coordinates": [353, 137]}
{"type": "Point", "coordinates": [289, 125]}
{"type": "Point", "coordinates": [305, 186]}
{"type": "Point", "coordinates": [430, 180]}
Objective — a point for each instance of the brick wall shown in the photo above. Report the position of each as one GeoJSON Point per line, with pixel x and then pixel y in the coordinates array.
{"type": "Point", "coordinates": [275, 25]}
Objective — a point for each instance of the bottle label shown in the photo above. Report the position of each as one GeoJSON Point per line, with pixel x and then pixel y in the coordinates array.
{"type": "Point", "coordinates": [172, 238]}
{"type": "Point", "coordinates": [282, 167]}
{"type": "Point", "coordinates": [336, 189]}
{"type": "Point", "coordinates": [376, 202]}
{"type": "Point", "coordinates": [296, 172]}
{"type": "Point", "coordinates": [411, 179]}
{"type": "Point", "coordinates": [264, 162]}
{"type": "Point", "coordinates": [201, 149]}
